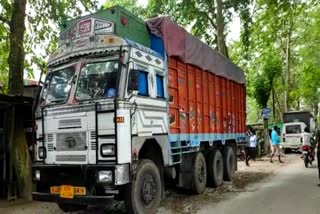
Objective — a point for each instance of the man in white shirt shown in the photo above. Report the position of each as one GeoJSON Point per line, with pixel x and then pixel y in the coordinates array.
{"type": "Point", "coordinates": [252, 146]}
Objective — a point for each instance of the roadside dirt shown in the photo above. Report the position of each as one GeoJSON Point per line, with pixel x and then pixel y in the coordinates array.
{"type": "Point", "coordinates": [180, 201]}
{"type": "Point", "coordinates": [177, 200]}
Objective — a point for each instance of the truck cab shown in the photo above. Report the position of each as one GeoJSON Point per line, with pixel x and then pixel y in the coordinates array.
{"type": "Point", "coordinates": [102, 94]}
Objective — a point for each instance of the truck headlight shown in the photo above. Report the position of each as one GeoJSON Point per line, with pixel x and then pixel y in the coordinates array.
{"type": "Point", "coordinates": [37, 175]}
{"type": "Point", "coordinates": [105, 176]}
{"type": "Point", "coordinates": [41, 152]}
{"type": "Point", "coordinates": [107, 150]}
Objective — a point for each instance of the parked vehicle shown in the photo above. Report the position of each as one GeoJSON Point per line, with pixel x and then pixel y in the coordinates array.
{"type": "Point", "coordinates": [300, 116]}
{"type": "Point", "coordinates": [293, 129]}
{"type": "Point", "coordinates": [128, 106]}
{"type": "Point", "coordinates": [292, 136]}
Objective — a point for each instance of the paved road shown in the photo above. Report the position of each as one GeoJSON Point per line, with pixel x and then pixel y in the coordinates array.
{"type": "Point", "coordinates": [292, 190]}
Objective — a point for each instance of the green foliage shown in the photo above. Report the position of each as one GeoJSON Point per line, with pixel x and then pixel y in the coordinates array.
{"type": "Point", "coordinates": [42, 21]}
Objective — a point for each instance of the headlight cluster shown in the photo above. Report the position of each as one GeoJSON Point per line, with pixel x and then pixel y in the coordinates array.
{"type": "Point", "coordinates": [41, 152]}
{"type": "Point", "coordinates": [105, 176]}
{"type": "Point", "coordinates": [107, 150]}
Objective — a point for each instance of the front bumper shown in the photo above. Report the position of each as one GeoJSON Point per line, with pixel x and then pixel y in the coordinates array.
{"type": "Point", "coordinates": [80, 200]}
{"type": "Point", "coordinates": [290, 146]}
{"type": "Point", "coordinates": [81, 176]}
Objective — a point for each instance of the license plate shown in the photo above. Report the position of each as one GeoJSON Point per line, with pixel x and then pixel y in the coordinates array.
{"type": "Point", "coordinates": [67, 191]}
{"type": "Point", "coordinates": [304, 152]}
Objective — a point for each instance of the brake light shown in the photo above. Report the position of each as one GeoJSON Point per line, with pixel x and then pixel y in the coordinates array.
{"type": "Point", "coordinates": [305, 148]}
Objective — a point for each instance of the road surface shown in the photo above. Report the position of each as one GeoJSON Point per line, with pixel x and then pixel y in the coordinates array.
{"type": "Point", "coordinates": [292, 189]}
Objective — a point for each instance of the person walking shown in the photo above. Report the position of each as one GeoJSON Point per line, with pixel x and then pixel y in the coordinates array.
{"type": "Point", "coordinates": [275, 141]}
{"type": "Point", "coordinates": [252, 146]}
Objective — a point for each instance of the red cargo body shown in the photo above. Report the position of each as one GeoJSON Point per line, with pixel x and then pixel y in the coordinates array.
{"type": "Point", "coordinates": [203, 103]}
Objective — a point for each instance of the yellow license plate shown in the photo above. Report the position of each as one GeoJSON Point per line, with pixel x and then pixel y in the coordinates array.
{"type": "Point", "coordinates": [67, 191]}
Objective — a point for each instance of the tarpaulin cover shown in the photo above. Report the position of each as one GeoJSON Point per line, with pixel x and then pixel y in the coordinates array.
{"type": "Point", "coordinates": [189, 49]}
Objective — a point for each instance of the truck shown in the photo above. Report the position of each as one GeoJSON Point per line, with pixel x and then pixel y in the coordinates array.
{"type": "Point", "coordinates": [128, 107]}
{"type": "Point", "coordinates": [294, 124]}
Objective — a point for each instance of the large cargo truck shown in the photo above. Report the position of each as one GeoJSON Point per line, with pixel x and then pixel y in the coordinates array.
{"type": "Point", "coordinates": [118, 119]}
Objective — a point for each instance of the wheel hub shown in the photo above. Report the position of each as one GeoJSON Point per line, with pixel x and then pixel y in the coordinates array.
{"type": "Point", "coordinates": [201, 172]}
{"type": "Point", "coordinates": [148, 189]}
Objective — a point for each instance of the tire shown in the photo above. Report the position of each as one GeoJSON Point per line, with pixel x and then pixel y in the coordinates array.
{"type": "Point", "coordinates": [306, 161]}
{"type": "Point", "coordinates": [286, 151]}
{"type": "Point", "coordinates": [143, 195]}
{"type": "Point", "coordinates": [71, 207]}
{"type": "Point", "coordinates": [215, 168]}
{"type": "Point", "coordinates": [199, 174]}
{"type": "Point", "coordinates": [229, 163]}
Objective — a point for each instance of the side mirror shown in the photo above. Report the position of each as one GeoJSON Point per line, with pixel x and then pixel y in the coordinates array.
{"type": "Point", "coordinates": [133, 80]}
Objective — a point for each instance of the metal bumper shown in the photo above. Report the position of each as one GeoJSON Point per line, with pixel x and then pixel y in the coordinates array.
{"type": "Point", "coordinates": [81, 200]}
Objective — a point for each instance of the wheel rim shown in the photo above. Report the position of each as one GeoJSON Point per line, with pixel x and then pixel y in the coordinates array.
{"type": "Point", "coordinates": [148, 190]}
{"type": "Point", "coordinates": [219, 168]}
{"type": "Point", "coordinates": [201, 172]}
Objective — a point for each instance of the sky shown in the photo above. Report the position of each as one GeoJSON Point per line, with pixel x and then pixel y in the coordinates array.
{"type": "Point", "coordinates": [233, 35]}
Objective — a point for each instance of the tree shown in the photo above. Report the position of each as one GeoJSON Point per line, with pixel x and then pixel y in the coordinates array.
{"type": "Point", "coordinates": [41, 17]}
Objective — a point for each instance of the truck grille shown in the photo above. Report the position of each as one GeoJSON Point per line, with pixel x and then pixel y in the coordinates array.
{"type": "Point", "coordinates": [93, 140]}
{"type": "Point", "coordinates": [70, 158]}
{"type": "Point", "coordinates": [70, 123]}
{"type": "Point", "coordinates": [71, 141]}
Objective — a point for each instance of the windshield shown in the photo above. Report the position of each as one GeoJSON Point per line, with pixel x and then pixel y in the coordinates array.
{"type": "Point", "coordinates": [57, 86]}
{"type": "Point", "coordinates": [97, 80]}
{"type": "Point", "coordinates": [293, 129]}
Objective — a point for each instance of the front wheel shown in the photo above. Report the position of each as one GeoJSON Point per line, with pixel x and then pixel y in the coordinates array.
{"type": "Point", "coordinates": [143, 195]}
{"type": "Point", "coordinates": [306, 161]}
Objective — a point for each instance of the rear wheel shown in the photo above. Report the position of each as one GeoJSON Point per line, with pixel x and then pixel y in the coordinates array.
{"type": "Point", "coordinates": [71, 207]}
{"type": "Point", "coordinates": [199, 174]}
{"type": "Point", "coordinates": [143, 195]}
{"type": "Point", "coordinates": [215, 168]}
{"type": "Point", "coordinates": [306, 161]}
{"type": "Point", "coordinates": [229, 163]}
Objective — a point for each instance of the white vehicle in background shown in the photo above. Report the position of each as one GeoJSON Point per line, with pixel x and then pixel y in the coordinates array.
{"type": "Point", "coordinates": [292, 136]}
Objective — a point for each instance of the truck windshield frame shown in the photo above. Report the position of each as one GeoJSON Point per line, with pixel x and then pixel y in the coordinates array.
{"type": "Point", "coordinates": [58, 86]}
{"type": "Point", "coordinates": [97, 80]}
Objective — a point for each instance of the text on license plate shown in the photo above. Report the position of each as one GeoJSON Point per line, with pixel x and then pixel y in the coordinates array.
{"type": "Point", "coordinates": [67, 191]}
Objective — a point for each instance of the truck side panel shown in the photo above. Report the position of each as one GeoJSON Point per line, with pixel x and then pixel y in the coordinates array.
{"type": "Point", "coordinates": [173, 97]}
{"type": "Point", "coordinates": [203, 106]}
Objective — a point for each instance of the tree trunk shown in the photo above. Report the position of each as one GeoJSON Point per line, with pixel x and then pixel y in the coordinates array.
{"type": "Point", "coordinates": [273, 106]}
{"type": "Point", "coordinates": [222, 48]}
{"type": "Point", "coordinates": [266, 136]}
{"type": "Point", "coordinates": [287, 74]}
{"type": "Point", "coordinates": [16, 55]}
{"type": "Point", "coordinates": [316, 110]}
{"type": "Point", "coordinates": [19, 149]}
